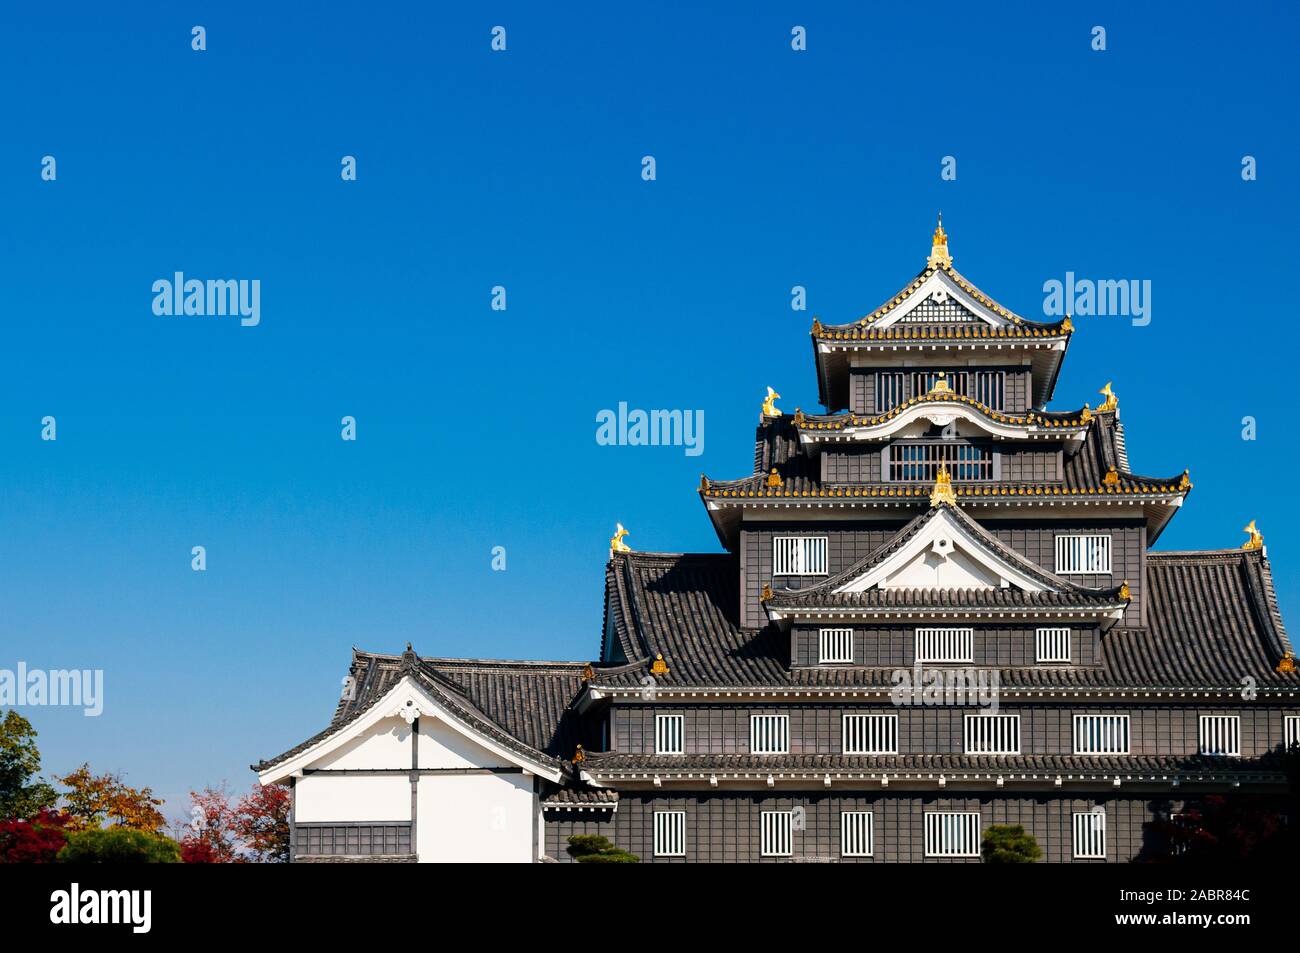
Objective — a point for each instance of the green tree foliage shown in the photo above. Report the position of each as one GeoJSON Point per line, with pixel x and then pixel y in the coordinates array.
{"type": "Point", "coordinates": [597, 849]}
{"type": "Point", "coordinates": [119, 845]}
{"type": "Point", "coordinates": [22, 794]}
{"type": "Point", "coordinates": [1009, 844]}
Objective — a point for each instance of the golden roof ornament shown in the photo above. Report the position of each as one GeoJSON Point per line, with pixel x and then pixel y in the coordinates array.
{"type": "Point", "coordinates": [1124, 592]}
{"type": "Point", "coordinates": [659, 666]}
{"type": "Point", "coordinates": [1067, 325]}
{"type": "Point", "coordinates": [798, 417]}
{"type": "Point", "coordinates": [766, 594]}
{"type": "Point", "coordinates": [1110, 403]}
{"type": "Point", "coordinates": [579, 756]}
{"type": "Point", "coordinates": [1186, 482]}
{"type": "Point", "coordinates": [704, 483]}
{"type": "Point", "coordinates": [939, 257]}
{"type": "Point", "coordinates": [816, 327]}
{"type": "Point", "coordinates": [1286, 666]}
{"type": "Point", "coordinates": [769, 404]}
{"type": "Point", "coordinates": [588, 673]}
{"type": "Point", "coordinates": [1256, 540]}
{"type": "Point", "coordinates": [941, 385]}
{"type": "Point", "coordinates": [1111, 478]}
{"type": "Point", "coordinates": [616, 544]}
{"type": "Point", "coordinates": [943, 492]}
{"type": "Point", "coordinates": [774, 478]}
{"type": "Point", "coordinates": [1086, 416]}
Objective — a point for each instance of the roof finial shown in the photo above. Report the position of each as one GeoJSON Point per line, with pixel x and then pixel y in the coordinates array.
{"type": "Point", "coordinates": [769, 404]}
{"type": "Point", "coordinates": [939, 257]}
{"type": "Point", "coordinates": [1256, 540]}
{"type": "Point", "coordinates": [616, 544]}
{"type": "Point", "coordinates": [943, 492]}
{"type": "Point", "coordinates": [1110, 403]}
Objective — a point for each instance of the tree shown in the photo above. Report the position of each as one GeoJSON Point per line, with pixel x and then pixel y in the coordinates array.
{"type": "Point", "coordinates": [210, 837]}
{"type": "Point", "coordinates": [1220, 829]}
{"type": "Point", "coordinates": [597, 849]}
{"type": "Point", "coordinates": [119, 845]}
{"type": "Point", "coordinates": [35, 840]}
{"type": "Point", "coordinates": [22, 793]}
{"type": "Point", "coordinates": [262, 823]}
{"type": "Point", "coordinates": [1009, 844]}
{"type": "Point", "coordinates": [91, 800]}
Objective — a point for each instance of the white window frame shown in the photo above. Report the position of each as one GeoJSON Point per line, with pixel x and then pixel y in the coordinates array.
{"type": "Point", "coordinates": [1052, 644]}
{"type": "Point", "coordinates": [776, 833]}
{"type": "Point", "coordinates": [670, 734]}
{"type": "Point", "coordinates": [952, 833]}
{"type": "Point", "coordinates": [945, 644]}
{"type": "Point", "coordinates": [1073, 550]}
{"type": "Point", "coordinates": [670, 834]}
{"type": "Point", "coordinates": [1219, 731]}
{"type": "Point", "coordinates": [992, 734]}
{"type": "Point", "coordinates": [799, 555]}
{"type": "Point", "coordinates": [857, 827]}
{"type": "Point", "coordinates": [1290, 731]}
{"type": "Point", "coordinates": [832, 645]}
{"type": "Point", "coordinates": [1103, 734]}
{"type": "Point", "coordinates": [1089, 839]}
{"type": "Point", "coordinates": [868, 733]}
{"type": "Point", "coordinates": [769, 734]}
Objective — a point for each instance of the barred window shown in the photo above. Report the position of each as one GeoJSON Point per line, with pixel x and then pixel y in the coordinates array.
{"type": "Point", "coordinates": [889, 390]}
{"type": "Point", "coordinates": [1053, 645]}
{"type": "Point", "coordinates": [870, 734]}
{"type": "Point", "coordinates": [857, 834]}
{"type": "Point", "coordinates": [799, 556]}
{"type": "Point", "coordinates": [1081, 553]}
{"type": "Point", "coordinates": [1090, 835]}
{"type": "Point", "coordinates": [835, 645]}
{"type": "Point", "coordinates": [945, 645]}
{"type": "Point", "coordinates": [668, 734]}
{"type": "Point", "coordinates": [918, 461]}
{"type": "Point", "coordinates": [992, 734]}
{"type": "Point", "coordinates": [670, 834]}
{"type": "Point", "coordinates": [1291, 729]}
{"type": "Point", "coordinates": [987, 387]}
{"type": "Point", "coordinates": [1101, 734]}
{"type": "Point", "coordinates": [776, 827]}
{"type": "Point", "coordinates": [952, 834]}
{"type": "Point", "coordinates": [769, 734]}
{"type": "Point", "coordinates": [1221, 735]}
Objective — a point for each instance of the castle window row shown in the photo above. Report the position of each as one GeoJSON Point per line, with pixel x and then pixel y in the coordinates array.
{"type": "Point", "coordinates": [1076, 553]}
{"type": "Point", "coordinates": [944, 645]}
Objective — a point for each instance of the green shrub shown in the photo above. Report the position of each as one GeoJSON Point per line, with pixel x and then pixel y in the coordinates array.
{"type": "Point", "coordinates": [119, 845]}
{"type": "Point", "coordinates": [597, 849]}
{"type": "Point", "coordinates": [1009, 844]}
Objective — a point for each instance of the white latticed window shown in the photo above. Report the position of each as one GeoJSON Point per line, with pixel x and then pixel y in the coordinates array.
{"type": "Point", "coordinates": [1090, 835]}
{"type": "Point", "coordinates": [857, 836]}
{"type": "Point", "coordinates": [670, 833]}
{"type": "Point", "coordinates": [1101, 734]}
{"type": "Point", "coordinates": [668, 734]}
{"type": "Point", "coordinates": [799, 556]}
{"type": "Point", "coordinates": [776, 827]}
{"type": "Point", "coordinates": [769, 734]}
{"type": "Point", "coordinates": [871, 734]}
{"type": "Point", "coordinates": [835, 645]}
{"type": "Point", "coordinates": [952, 834]}
{"type": "Point", "coordinates": [1221, 735]}
{"type": "Point", "coordinates": [1291, 726]}
{"type": "Point", "coordinates": [1083, 554]}
{"type": "Point", "coordinates": [1053, 645]}
{"type": "Point", "coordinates": [945, 645]}
{"type": "Point", "coordinates": [993, 734]}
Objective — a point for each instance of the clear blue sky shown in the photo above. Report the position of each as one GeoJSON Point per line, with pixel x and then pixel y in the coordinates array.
{"type": "Point", "coordinates": [476, 428]}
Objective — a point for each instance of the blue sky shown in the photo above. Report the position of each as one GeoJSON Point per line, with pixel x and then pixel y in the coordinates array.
{"type": "Point", "coordinates": [522, 169]}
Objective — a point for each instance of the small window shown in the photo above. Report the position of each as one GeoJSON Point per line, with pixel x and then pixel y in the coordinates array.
{"type": "Point", "coordinates": [769, 734]}
{"type": "Point", "coordinates": [993, 734]}
{"type": "Point", "coordinates": [1291, 727]}
{"type": "Point", "coordinates": [799, 556]}
{"type": "Point", "coordinates": [776, 827]}
{"type": "Point", "coordinates": [952, 834]}
{"type": "Point", "coordinates": [870, 734]}
{"type": "Point", "coordinates": [1053, 645]}
{"type": "Point", "coordinates": [668, 734]}
{"type": "Point", "coordinates": [1221, 735]}
{"type": "Point", "coordinates": [1082, 554]}
{"type": "Point", "coordinates": [835, 645]}
{"type": "Point", "coordinates": [857, 835]}
{"type": "Point", "coordinates": [1090, 835]}
{"type": "Point", "coordinates": [945, 645]}
{"type": "Point", "coordinates": [1101, 734]}
{"type": "Point", "coordinates": [670, 833]}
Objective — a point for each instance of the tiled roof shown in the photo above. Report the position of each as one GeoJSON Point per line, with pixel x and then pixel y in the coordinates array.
{"type": "Point", "coordinates": [565, 797]}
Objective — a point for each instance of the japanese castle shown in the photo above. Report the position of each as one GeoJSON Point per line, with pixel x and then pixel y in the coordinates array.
{"type": "Point", "coordinates": [936, 608]}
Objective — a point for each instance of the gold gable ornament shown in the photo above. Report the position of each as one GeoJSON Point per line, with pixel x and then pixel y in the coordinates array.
{"type": "Point", "coordinates": [816, 327]}
{"type": "Point", "coordinates": [616, 544]}
{"type": "Point", "coordinates": [1086, 416]}
{"type": "Point", "coordinates": [939, 257]}
{"type": "Point", "coordinates": [1256, 540]}
{"type": "Point", "coordinates": [1124, 592]}
{"type": "Point", "coordinates": [659, 666]}
{"type": "Point", "coordinates": [1287, 664]}
{"type": "Point", "coordinates": [704, 483]}
{"type": "Point", "coordinates": [588, 673]}
{"type": "Point", "coordinates": [1111, 478]}
{"type": "Point", "coordinates": [769, 404]}
{"type": "Point", "coordinates": [1186, 482]}
{"type": "Point", "coordinates": [579, 756]}
{"type": "Point", "coordinates": [1110, 403]}
{"type": "Point", "coordinates": [941, 385]}
{"type": "Point", "coordinates": [766, 594]}
{"type": "Point", "coordinates": [798, 417]}
{"type": "Point", "coordinates": [774, 478]}
{"type": "Point", "coordinates": [1067, 326]}
{"type": "Point", "coordinates": [943, 491]}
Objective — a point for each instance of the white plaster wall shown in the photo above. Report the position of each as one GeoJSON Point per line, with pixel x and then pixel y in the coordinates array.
{"type": "Point", "coordinates": [343, 798]}
{"type": "Point", "coordinates": [386, 744]}
{"type": "Point", "coordinates": [475, 818]}
{"type": "Point", "coordinates": [442, 746]}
